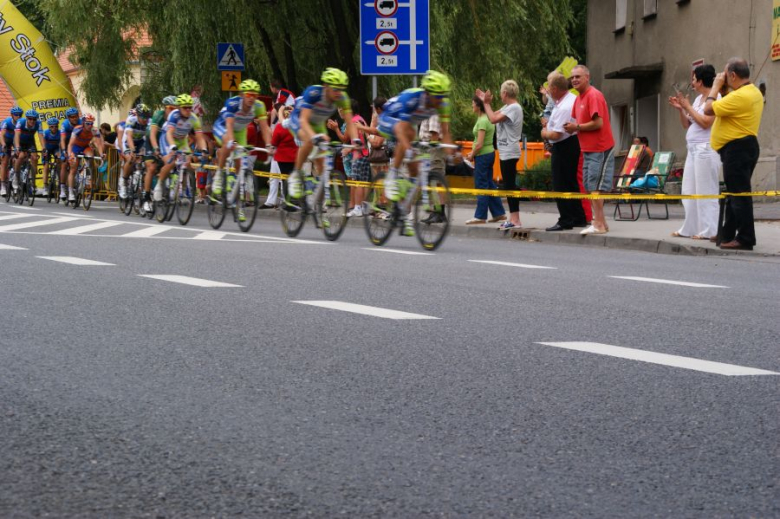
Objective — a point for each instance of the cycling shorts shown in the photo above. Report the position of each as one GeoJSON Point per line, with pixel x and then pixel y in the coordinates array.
{"type": "Point", "coordinates": [294, 125]}
{"type": "Point", "coordinates": [386, 126]}
{"type": "Point", "coordinates": [165, 147]}
{"type": "Point", "coordinates": [240, 136]}
{"type": "Point", "coordinates": [78, 150]}
{"type": "Point", "coordinates": [137, 144]}
{"type": "Point", "coordinates": [27, 146]}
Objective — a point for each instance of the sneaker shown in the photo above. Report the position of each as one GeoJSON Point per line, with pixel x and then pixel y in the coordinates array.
{"type": "Point", "coordinates": [45, 191]}
{"type": "Point", "coordinates": [122, 188]}
{"type": "Point", "coordinates": [71, 195]}
{"type": "Point", "coordinates": [408, 228]}
{"type": "Point", "coordinates": [15, 183]}
{"type": "Point", "coordinates": [3, 190]}
{"type": "Point", "coordinates": [308, 184]}
{"type": "Point", "coordinates": [158, 192]}
{"type": "Point", "coordinates": [295, 185]}
{"type": "Point", "coordinates": [63, 194]}
{"type": "Point", "coordinates": [216, 184]}
{"type": "Point", "coordinates": [241, 216]}
{"type": "Point", "coordinates": [434, 217]}
{"type": "Point", "coordinates": [356, 212]}
{"type": "Point", "coordinates": [148, 206]}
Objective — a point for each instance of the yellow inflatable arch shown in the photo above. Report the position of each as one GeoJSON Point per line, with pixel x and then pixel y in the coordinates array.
{"type": "Point", "coordinates": [29, 68]}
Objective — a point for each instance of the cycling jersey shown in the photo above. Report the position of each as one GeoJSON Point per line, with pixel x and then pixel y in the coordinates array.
{"type": "Point", "coordinates": [8, 128]}
{"type": "Point", "coordinates": [314, 99]}
{"type": "Point", "coordinates": [51, 140]}
{"type": "Point", "coordinates": [241, 119]}
{"type": "Point", "coordinates": [82, 138]}
{"type": "Point", "coordinates": [67, 128]}
{"type": "Point", "coordinates": [134, 130]}
{"type": "Point", "coordinates": [411, 106]}
{"type": "Point", "coordinates": [26, 133]}
{"type": "Point", "coordinates": [181, 127]}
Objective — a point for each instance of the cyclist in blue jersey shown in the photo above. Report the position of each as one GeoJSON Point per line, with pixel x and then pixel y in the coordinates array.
{"type": "Point", "coordinates": [72, 120]}
{"type": "Point", "coordinates": [133, 140]}
{"type": "Point", "coordinates": [307, 122]}
{"type": "Point", "coordinates": [24, 140]}
{"type": "Point", "coordinates": [7, 130]}
{"type": "Point", "coordinates": [51, 143]}
{"type": "Point", "coordinates": [403, 113]}
{"type": "Point", "coordinates": [230, 126]}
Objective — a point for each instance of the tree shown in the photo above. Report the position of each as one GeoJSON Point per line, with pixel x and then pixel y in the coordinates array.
{"type": "Point", "coordinates": [479, 43]}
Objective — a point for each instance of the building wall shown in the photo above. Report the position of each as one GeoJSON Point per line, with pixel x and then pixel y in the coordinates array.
{"type": "Point", "coordinates": [108, 115]}
{"type": "Point", "coordinates": [713, 30]}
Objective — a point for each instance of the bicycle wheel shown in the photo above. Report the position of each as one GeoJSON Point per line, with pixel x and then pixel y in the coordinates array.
{"type": "Point", "coordinates": [217, 207]}
{"type": "Point", "coordinates": [30, 188]}
{"type": "Point", "coordinates": [334, 207]}
{"type": "Point", "coordinates": [126, 203]}
{"type": "Point", "coordinates": [51, 194]}
{"type": "Point", "coordinates": [379, 216]}
{"type": "Point", "coordinates": [87, 188]}
{"type": "Point", "coordinates": [248, 204]}
{"type": "Point", "coordinates": [293, 213]}
{"type": "Point", "coordinates": [8, 189]}
{"type": "Point", "coordinates": [185, 200]}
{"type": "Point", "coordinates": [171, 185]}
{"type": "Point", "coordinates": [432, 219]}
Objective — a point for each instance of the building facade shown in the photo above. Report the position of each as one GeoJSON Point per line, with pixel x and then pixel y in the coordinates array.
{"type": "Point", "coordinates": [641, 51]}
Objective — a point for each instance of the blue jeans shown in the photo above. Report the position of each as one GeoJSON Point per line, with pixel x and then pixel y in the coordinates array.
{"type": "Point", "coordinates": [483, 179]}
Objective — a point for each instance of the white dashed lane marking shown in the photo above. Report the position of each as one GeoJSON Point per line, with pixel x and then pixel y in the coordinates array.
{"type": "Point", "coordinates": [70, 260]}
{"type": "Point", "coordinates": [663, 359]}
{"type": "Point", "coordinates": [15, 216]}
{"type": "Point", "coordinates": [195, 282]}
{"type": "Point", "coordinates": [73, 231]}
{"type": "Point", "coordinates": [365, 310]}
{"type": "Point", "coordinates": [667, 282]}
{"type": "Point", "coordinates": [518, 265]}
{"type": "Point", "coordinates": [396, 251]}
{"type": "Point", "coordinates": [38, 223]}
{"type": "Point", "coordinates": [10, 247]}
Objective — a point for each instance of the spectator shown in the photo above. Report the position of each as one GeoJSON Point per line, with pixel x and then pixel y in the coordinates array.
{"type": "Point", "coordinates": [286, 151]}
{"type": "Point", "coordinates": [702, 165]}
{"type": "Point", "coordinates": [109, 135]}
{"type": "Point", "coordinates": [430, 130]}
{"type": "Point", "coordinates": [378, 154]}
{"type": "Point", "coordinates": [509, 129]}
{"type": "Point", "coordinates": [355, 168]}
{"type": "Point", "coordinates": [649, 153]}
{"type": "Point", "coordinates": [281, 95]}
{"type": "Point", "coordinates": [483, 156]}
{"type": "Point", "coordinates": [274, 183]}
{"type": "Point", "coordinates": [734, 136]}
{"type": "Point", "coordinates": [591, 122]}
{"type": "Point", "coordinates": [565, 153]}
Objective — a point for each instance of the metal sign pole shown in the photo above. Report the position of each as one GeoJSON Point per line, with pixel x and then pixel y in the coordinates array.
{"type": "Point", "coordinates": [374, 92]}
{"type": "Point", "coordinates": [414, 81]}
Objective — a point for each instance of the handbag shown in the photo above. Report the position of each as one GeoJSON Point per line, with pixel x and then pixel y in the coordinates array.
{"type": "Point", "coordinates": [378, 155]}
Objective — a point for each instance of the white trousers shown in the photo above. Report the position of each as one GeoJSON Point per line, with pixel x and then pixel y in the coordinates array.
{"type": "Point", "coordinates": [273, 185]}
{"type": "Point", "coordinates": [700, 177]}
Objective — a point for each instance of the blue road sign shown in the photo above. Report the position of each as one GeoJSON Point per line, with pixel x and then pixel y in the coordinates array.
{"type": "Point", "coordinates": [230, 56]}
{"type": "Point", "coordinates": [394, 37]}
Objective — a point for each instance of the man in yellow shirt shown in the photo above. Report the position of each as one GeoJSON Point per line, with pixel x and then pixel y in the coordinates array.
{"type": "Point", "coordinates": [734, 137]}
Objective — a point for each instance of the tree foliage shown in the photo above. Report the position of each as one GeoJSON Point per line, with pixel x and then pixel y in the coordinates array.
{"type": "Point", "coordinates": [479, 43]}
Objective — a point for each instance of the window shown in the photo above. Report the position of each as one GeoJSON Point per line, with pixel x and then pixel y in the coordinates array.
{"type": "Point", "coordinates": [651, 8]}
{"type": "Point", "coordinates": [621, 12]}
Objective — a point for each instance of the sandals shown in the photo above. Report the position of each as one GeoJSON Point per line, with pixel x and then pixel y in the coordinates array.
{"type": "Point", "coordinates": [676, 234]}
{"type": "Point", "coordinates": [475, 221]}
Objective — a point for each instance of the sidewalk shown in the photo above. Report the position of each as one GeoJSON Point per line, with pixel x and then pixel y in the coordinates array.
{"type": "Point", "coordinates": [643, 235]}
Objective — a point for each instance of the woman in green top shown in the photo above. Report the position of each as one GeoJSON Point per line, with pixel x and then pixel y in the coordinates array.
{"type": "Point", "coordinates": [483, 155]}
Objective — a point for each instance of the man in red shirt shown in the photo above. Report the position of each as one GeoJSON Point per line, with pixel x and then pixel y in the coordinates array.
{"type": "Point", "coordinates": [591, 114]}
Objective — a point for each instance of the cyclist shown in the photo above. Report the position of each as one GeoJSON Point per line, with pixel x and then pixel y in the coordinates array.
{"type": "Point", "coordinates": [232, 122]}
{"type": "Point", "coordinates": [51, 142]}
{"type": "Point", "coordinates": [307, 122]}
{"type": "Point", "coordinates": [133, 139]}
{"type": "Point", "coordinates": [175, 132]}
{"type": "Point", "coordinates": [24, 141]}
{"type": "Point", "coordinates": [7, 131]}
{"type": "Point", "coordinates": [399, 119]}
{"type": "Point", "coordinates": [152, 143]}
{"type": "Point", "coordinates": [81, 139]}
{"type": "Point", "coordinates": [72, 119]}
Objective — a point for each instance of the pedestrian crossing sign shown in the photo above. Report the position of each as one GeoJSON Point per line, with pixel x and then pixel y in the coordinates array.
{"type": "Point", "coordinates": [230, 56]}
{"type": "Point", "coordinates": [230, 80]}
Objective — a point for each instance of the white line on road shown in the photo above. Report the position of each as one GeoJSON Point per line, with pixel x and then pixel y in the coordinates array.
{"type": "Point", "coordinates": [86, 228]}
{"type": "Point", "coordinates": [147, 232]}
{"type": "Point", "coordinates": [196, 282]}
{"type": "Point", "coordinates": [71, 214]}
{"type": "Point", "coordinates": [365, 310]}
{"type": "Point", "coordinates": [27, 208]}
{"type": "Point", "coordinates": [210, 235]}
{"type": "Point", "coordinates": [664, 359]}
{"type": "Point", "coordinates": [76, 261]}
{"type": "Point", "coordinates": [15, 216]}
{"type": "Point", "coordinates": [506, 264]}
{"type": "Point", "coordinates": [667, 282]}
{"type": "Point", "coordinates": [396, 251]}
{"type": "Point", "coordinates": [27, 225]}
{"type": "Point", "coordinates": [10, 247]}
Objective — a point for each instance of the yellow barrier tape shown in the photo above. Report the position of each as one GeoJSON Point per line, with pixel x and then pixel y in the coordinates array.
{"type": "Point", "coordinates": [550, 194]}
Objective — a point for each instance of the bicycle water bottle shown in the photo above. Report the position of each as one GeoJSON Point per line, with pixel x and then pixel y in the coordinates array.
{"type": "Point", "coordinates": [231, 183]}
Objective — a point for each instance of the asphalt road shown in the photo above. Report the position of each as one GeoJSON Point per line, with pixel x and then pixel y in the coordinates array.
{"type": "Point", "coordinates": [131, 396]}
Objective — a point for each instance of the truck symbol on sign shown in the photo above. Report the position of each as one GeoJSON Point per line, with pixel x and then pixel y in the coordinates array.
{"type": "Point", "coordinates": [387, 4]}
{"type": "Point", "coordinates": [387, 42]}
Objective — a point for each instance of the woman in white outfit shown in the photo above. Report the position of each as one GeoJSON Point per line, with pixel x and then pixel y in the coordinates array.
{"type": "Point", "coordinates": [702, 166]}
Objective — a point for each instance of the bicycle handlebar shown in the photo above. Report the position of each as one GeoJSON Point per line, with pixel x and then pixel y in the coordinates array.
{"type": "Point", "coordinates": [90, 157]}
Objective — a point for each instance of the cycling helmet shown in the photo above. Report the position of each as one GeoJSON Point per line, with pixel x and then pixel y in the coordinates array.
{"type": "Point", "coordinates": [249, 85]}
{"type": "Point", "coordinates": [335, 78]}
{"type": "Point", "coordinates": [141, 110]}
{"type": "Point", "coordinates": [131, 113]}
{"type": "Point", "coordinates": [53, 121]}
{"type": "Point", "coordinates": [71, 112]}
{"type": "Point", "coordinates": [436, 83]}
{"type": "Point", "coordinates": [184, 100]}
{"type": "Point", "coordinates": [31, 114]}
{"type": "Point", "coordinates": [169, 100]}
{"type": "Point", "coordinates": [17, 111]}
{"type": "Point", "coordinates": [89, 118]}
